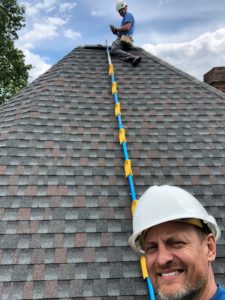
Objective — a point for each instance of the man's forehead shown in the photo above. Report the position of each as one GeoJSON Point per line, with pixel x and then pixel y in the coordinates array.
{"type": "Point", "coordinates": [169, 228]}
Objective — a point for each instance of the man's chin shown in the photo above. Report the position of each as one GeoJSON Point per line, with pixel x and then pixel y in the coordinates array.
{"type": "Point", "coordinates": [171, 286]}
{"type": "Point", "coordinates": [180, 292]}
{"type": "Point", "coordinates": [169, 292]}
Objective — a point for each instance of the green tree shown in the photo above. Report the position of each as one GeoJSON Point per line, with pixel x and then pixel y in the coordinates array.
{"type": "Point", "coordinates": [13, 70]}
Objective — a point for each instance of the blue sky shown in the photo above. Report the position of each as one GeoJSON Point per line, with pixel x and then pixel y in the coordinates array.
{"type": "Point", "coordinates": [189, 34]}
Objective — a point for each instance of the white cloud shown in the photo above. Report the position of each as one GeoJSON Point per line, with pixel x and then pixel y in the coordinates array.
{"type": "Point", "coordinates": [43, 31]}
{"type": "Point", "coordinates": [71, 34]}
{"type": "Point", "coordinates": [195, 57]}
{"type": "Point", "coordinates": [31, 10]}
{"type": "Point", "coordinates": [43, 25]}
{"type": "Point", "coordinates": [34, 9]}
{"type": "Point", "coordinates": [39, 63]}
{"type": "Point", "coordinates": [55, 21]}
{"type": "Point", "coordinates": [99, 13]}
{"type": "Point", "coordinates": [67, 6]}
{"type": "Point", "coordinates": [48, 5]}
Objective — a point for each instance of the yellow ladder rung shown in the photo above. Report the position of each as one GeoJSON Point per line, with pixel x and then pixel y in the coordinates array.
{"type": "Point", "coordinates": [133, 206]}
{"type": "Point", "coordinates": [122, 136]}
{"type": "Point", "coordinates": [114, 88]}
{"type": "Point", "coordinates": [117, 109]}
{"type": "Point", "coordinates": [111, 69]}
{"type": "Point", "coordinates": [127, 168]}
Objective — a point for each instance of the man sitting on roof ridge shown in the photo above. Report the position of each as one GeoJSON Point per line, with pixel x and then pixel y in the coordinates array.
{"type": "Point", "coordinates": [124, 34]}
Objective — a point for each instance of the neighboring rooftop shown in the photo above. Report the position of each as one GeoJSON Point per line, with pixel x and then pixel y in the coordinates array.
{"type": "Point", "coordinates": [64, 201]}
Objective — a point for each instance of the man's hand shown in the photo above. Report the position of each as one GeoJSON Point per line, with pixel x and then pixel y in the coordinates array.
{"type": "Point", "coordinates": [113, 29]}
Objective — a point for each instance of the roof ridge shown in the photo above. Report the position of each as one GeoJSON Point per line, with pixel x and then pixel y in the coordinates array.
{"type": "Point", "coordinates": [97, 46]}
{"type": "Point", "coordinates": [180, 72]}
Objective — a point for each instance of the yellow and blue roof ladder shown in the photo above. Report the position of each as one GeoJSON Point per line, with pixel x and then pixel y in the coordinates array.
{"type": "Point", "coordinates": [127, 164]}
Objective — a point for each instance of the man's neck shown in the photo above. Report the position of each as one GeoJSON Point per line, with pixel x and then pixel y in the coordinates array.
{"type": "Point", "coordinates": [210, 289]}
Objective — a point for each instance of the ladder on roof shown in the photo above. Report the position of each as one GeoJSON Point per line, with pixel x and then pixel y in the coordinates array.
{"type": "Point", "coordinates": [127, 164]}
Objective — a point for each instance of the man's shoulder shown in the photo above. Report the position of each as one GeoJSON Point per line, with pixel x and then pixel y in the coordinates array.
{"type": "Point", "coordinates": [220, 294]}
{"type": "Point", "coordinates": [128, 17]}
{"type": "Point", "coordinates": [128, 14]}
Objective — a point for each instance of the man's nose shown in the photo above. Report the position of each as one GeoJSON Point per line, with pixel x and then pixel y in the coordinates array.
{"type": "Point", "coordinates": [164, 255]}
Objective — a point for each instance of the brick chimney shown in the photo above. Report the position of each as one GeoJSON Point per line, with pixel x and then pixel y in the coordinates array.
{"type": "Point", "coordinates": [216, 78]}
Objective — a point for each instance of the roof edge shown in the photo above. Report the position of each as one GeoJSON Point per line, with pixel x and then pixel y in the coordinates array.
{"type": "Point", "coordinates": [182, 73]}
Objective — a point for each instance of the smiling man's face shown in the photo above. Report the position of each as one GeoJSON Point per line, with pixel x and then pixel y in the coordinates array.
{"type": "Point", "coordinates": [123, 11]}
{"type": "Point", "coordinates": [177, 258]}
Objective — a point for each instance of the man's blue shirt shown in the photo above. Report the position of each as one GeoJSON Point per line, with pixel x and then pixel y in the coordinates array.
{"type": "Point", "coordinates": [128, 18]}
{"type": "Point", "coordinates": [220, 294]}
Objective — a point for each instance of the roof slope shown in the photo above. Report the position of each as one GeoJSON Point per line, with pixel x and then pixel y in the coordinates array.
{"type": "Point", "coordinates": [64, 201]}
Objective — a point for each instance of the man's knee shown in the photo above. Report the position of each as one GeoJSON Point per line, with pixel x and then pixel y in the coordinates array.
{"type": "Point", "coordinates": [116, 45]}
{"type": "Point", "coordinates": [114, 49]}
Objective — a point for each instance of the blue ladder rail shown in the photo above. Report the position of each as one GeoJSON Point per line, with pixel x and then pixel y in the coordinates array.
{"type": "Point", "coordinates": [127, 164]}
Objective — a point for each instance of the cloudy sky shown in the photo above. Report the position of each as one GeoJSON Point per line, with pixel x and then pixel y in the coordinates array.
{"type": "Point", "coordinates": [189, 34]}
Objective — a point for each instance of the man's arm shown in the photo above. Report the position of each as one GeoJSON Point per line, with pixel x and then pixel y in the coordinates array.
{"type": "Point", "coordinates": [125, 27]}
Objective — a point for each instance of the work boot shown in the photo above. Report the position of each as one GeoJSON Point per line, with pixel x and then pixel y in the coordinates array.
{"type": "Point", "coordinates": [136, 61]}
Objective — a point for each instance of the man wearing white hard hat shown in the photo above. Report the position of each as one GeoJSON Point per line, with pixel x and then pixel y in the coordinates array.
{"type": "Point", "coordinates": [124, 33]}
{"type": "Point", "coordinates": [178, 238]}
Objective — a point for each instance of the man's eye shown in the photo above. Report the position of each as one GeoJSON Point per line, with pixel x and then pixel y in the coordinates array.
{"type": "Point", "coordinates": [178, 244]}
{"type": "Point", "coordinates": [150, 249]}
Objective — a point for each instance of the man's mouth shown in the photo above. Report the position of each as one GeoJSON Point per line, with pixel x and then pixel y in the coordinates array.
{"type": "Point", "coordinates": [171, 274]}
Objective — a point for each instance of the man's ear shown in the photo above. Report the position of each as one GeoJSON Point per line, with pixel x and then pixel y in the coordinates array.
{"type": "Point", "coordinates": [211, 247]}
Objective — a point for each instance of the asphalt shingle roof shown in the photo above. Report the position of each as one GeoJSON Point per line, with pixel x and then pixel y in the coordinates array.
{"type": "Point", "coordinates": [64, 201]}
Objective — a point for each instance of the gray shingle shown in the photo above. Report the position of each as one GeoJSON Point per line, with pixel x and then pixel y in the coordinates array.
{"type": "Point", "coordinates": [64, 201]}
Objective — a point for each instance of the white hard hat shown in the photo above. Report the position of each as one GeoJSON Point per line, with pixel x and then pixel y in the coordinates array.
{"type": "Point", "coordinates": [120, 5]}
{"type": "Point", "coordinates": [166, 203]}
